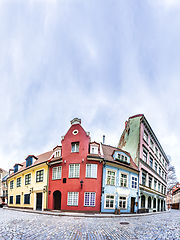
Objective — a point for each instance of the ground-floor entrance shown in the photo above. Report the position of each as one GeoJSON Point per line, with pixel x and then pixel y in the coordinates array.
{"type": "Point", "coordinates": [39, 201]}
{"type": "Point", "coordinates": [132, 204]}
{"type": "Point", "coordinates": [57, 200]}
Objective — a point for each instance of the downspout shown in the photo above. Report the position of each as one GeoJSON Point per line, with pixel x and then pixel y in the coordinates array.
{"type": "Point", "coordinates": [47, 184]}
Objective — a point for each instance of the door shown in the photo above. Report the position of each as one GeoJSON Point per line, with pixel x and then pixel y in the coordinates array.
{"type": "Point", "coordinates": [132, 204]}
{"type": "Point", "coordinates": [57, 200]}
{"type": "Point", "coordinates": [39, 201]}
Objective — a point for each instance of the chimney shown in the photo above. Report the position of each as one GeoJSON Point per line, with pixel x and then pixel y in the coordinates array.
{"type": "Point", "coordinates": [103, 139]}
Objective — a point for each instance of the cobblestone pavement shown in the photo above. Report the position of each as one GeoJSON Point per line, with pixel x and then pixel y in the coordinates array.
{"type": "Point", "coordinates": [21, 225]}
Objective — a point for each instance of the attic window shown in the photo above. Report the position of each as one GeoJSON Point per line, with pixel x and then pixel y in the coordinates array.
{"type": "Point", "coordinates": [75, 132]}
{"type": "Point", "coordinates": [122, 158]}
{"type": "Point", "coordinates": [57, 154]}
{"type": "Point", "coordinates": [93, 149]}
{"type": "Point", "coordinates": [15, 168]}
{"type": "Point", "coordinates": [28, 161]}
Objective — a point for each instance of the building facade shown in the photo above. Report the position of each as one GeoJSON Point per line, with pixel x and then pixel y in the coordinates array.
{"type": "Point", "coordinates": [75, 173]}
{"type": "Point", "coordinates": [27, 185]}
{"type": "Point", "coordinates": [3, 198]}
{"type": "Point", "coordinates": [141, 142]}
{"type": "Point", "coordinates": [120, 181]}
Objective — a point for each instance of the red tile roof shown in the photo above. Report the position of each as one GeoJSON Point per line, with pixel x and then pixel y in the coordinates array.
{"type": "Point", "coordinates": [40, 159]}
{"type": "Point", "coordinates": [108, 152]}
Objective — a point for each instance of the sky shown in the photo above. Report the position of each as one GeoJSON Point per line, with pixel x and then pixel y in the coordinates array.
{"type": "Point", "coordinates": [101, 61]}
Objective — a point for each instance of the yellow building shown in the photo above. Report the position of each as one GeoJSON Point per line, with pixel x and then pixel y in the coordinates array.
{"type": "Point", "coordinates": [28, 184]}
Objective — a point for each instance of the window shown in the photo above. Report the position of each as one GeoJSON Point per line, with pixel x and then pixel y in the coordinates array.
{"type": "Point", "coordinates": [15, 168]}
{"type": "Point", "coordinates": [143, 179]}
{"type": "Point", "coordinates": [89, 199]}
{"type": "Point", "coordinates": [18, 199]}
{"type": "Point", "coordinates": [75, 147]}
{"type": "Point", "coordinates": [123, 180]}
{"type": "Point", "coordinates": [26, 198]}
{"type": "Point", "coordinates": [122, 202]}
{"type": "Point", "coordinates": [109, 201]}
{"type": "Point", "coordinates": [111, 177]}
{"type": "Point", "coordinates": [144, 156]}
{"type": "Point", "coordinates": [155, 184]}
{"type": "Point", "coordinates": [166, 165]}
{"type": "Point", "coordinates": [56, 173]}
{"type": "Point", "coordinates": [160, 157]}
{"type": "Point", "coordinates": [18, 182]}
{"type": "Point", "coordinates": [151, 162]}
{"type": "Point", "coordinates": [28, 179]}
{"type": "Point", "coordinates": [28, 161]}
{"type": "Point", "coordinates": [39, 176]}
{"type": "Point", "coordinates": [162, 189]}
{"type": "Point", "coordinates": [121, 157]}
{"type": "Point", "coordinates": [163, 161]}
{"type": "Point", "coordinates": [165, 176]}
{"type": "Point", "coordinates": [142, 201]}
{"type": "Point", "coordinates": [134, 182]}
{"type": "Point", "coordinates": [156, 151]}
{"type": "Point", "coordinates": [11, 200]}
{"type": "Point", "coordinates": [12, 184]}
{"type": "Point", "coordinates": [151, 144]}
{"type": "Point", "coordinates": [57, 154]}
{"type": "Point", "coordinates": [93, 149]}
{"type": "Point", "coordinates": [91, 170]}
{"type": "Point", "coordinates": [159, 187]}
{"type": "Point", "coordinates": [145, 136]}
{"type": "Point", "coordinates": [150, 182]}
{"type": "Point", "coordinates": [74, 170]}
{"type": "Point", "coordinates": [154, 203]}
{"type": "Point", "coordinates": [73, 198]}
{"type": "Point", "coordinates": [159, 170]}
{"type": "Point", "coordinates": [155, 166]}
{"type": "Point", "coordinates": [162, 174]}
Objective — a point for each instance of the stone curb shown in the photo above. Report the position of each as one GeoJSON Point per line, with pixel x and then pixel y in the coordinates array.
{"type": "Point", "coordinates": [76, 215]}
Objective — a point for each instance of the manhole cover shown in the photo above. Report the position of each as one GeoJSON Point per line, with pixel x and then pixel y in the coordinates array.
{"type": "Point", "coordinates": [124, 223]}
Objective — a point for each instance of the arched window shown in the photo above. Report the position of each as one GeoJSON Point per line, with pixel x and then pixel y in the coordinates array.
{"type": "Point", "coordinates": [142, 201]}
{"type": "Point", "coordinates": [154, 203]}
{"type": "Point", "coordinates": [149, 202]}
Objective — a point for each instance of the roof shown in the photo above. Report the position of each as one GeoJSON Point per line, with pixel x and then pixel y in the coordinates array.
{"type": "Point", "coordinates": [4, 178]}
{"type": "Point", "coordinates": [108, 152]}
{"type": "Point", "coordinates": [137, 115]}
{"type": "Point", "coordinates": [3, 170]}
{"type": "Point", "coordinates": [40, 159]}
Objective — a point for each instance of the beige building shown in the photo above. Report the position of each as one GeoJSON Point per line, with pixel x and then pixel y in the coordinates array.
{"type": "Point", "coordinates": [3, 195]}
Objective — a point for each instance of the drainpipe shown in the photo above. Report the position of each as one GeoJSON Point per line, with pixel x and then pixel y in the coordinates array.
{"type": "Point", "coordinates": [47, 184]}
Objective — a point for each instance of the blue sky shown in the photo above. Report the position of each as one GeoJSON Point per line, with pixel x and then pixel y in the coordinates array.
{"type": "Point", "coordinates": [101, 61]}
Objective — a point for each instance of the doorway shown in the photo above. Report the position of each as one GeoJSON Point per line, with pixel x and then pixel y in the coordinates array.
{"type": "Point", "coordinates": [158, 205]}
{"type": "Point", "coordinates": [39, 201]}
{"type": "Point", "coordinates": [132, 204]}
{"type": "Point", "coordinates": [57, 200]}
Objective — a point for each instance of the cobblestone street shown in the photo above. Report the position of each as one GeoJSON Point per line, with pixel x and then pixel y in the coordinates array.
{"type": "Point", "coordinates": [21, 225]}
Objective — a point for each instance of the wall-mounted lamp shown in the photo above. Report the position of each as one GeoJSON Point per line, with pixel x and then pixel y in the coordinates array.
{"type": "Point", "coordinates": [31, 190]}
{"type": "Point", "coordinates": [83, 160]}
{"type": "Point", "coordinates": [22, 193]}
{"type": "Point", "coordinates": [81, 182]}
{"type": "Point", "coordinates": [64, 161]}
{"type": "Point", "coordinates": [45, 189]}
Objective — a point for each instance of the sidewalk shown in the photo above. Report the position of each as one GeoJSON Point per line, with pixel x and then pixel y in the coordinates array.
{"type": "Point", "coordinates": [90, 215]}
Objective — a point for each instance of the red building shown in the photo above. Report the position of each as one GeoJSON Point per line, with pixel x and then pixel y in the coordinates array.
{"type": "Point", "coordinates": [75, 172]}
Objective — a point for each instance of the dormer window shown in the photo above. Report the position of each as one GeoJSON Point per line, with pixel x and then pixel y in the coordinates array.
{"type": "Point", "coordinates": [16, 168]}
{"type": "Point", "coordinates": [30, 160]}
{"type": "Point", "coordinates": [57, 154]}
{"type": "Point", "coordinates": [93, 149]}
{"type": "Point", "coordinates": [122, 157]}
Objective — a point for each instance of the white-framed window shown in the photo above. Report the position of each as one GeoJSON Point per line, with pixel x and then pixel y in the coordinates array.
{"type": "Point", "coordinates": [74, 170]}
{"type": "Point", "coordinates": [57, 153]}
{"type": "Point", "coordinates": [89, 199]}
{"type": "Point", "coordinates": [40, 175]}
{"type": "Point", "coordinates": [155, 184]}
{"type": "Point", "coordinates": [144, 156]}
{"type": "Point", "coordinates": [75, 147]}
{"type": "Point", "coordinates": [28, 179]}
{"type": "Point", "coordinates": [156, 151]}
{"type": "Point", "coordinates": [159, 170]}
{"type": "Point", "coordinates": [145, 136]}
{"type": "Point", "coordinates": [91, 170]}
{"type": "Point", "coordinates": [12, 184]}
{"type": "Point", "coordinates": [18, 182]}
{"type": "Point", "coordinates": [122, 202]}
{"type": "Point", "coordinates": [123, 179]}
{"type": "Point", "coordinates": [134, 182]}
{"type": "Point", "coordinates": [56, 172]}
{"type": "Point", "coordinates": [109, 201]}
{"type": "Point", "coordinates": [151, 162]}
{"type": "Point", "coordinates": [151, 144]}
{"type": "Point", "coordinates": [93, 149]}
{"type": "Point", "coordinates": [73, 198]}
{"type": "Point", "coordinates": [110, 177]}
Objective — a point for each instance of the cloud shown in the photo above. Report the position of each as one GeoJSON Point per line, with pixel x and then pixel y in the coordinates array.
{"type": "Point", "coordinates": [99, 61]}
